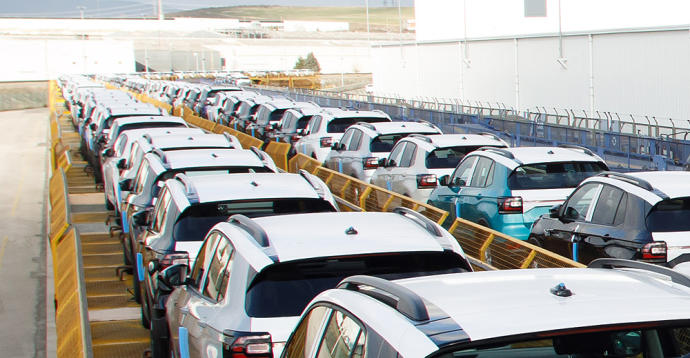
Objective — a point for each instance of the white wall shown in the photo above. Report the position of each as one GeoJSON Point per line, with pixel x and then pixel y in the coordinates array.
{"type": "Point", "coordinates": [445, 19]}
{"type": "Point", "coordinates": [639, 73]}
{"type": "Point", "coordinates": [39, 60]}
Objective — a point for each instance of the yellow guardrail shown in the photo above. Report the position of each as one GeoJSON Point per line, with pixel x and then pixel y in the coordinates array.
{"type": "Point", "coordinates": [146, 99]}
{"type": "Point", "coordinates": [245, 139]}
{"type": "Point", "coordinates": [489, 248]}
{"type": "Point", "coordinates": [279, 153]}
{"type": "Point", "coordinates": [59, 207]}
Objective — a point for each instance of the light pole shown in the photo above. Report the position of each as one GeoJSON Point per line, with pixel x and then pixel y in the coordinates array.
{"type": "Point", "coordinates": [81, 11]}
{"type": "Point", "coordinates": [366, 5]}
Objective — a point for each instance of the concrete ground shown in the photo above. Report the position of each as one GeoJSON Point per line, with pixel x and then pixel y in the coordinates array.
{"type": "Point", "coordinates": [23, 303]}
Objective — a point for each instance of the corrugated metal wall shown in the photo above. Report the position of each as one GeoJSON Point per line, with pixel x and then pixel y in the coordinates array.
{"type": "Point", "coordinates": [640, 73]}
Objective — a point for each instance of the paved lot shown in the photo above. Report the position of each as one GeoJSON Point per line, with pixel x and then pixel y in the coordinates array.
{"type": "Point", "coordinates": [23, 136]}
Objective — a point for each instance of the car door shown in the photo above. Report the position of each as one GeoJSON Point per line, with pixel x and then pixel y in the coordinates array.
{"type": "Point", "coordinates": [403, 180]}
{"type": "Point", "coordinates": [334, 160]}
{"type": "Point", "coordinates": [604, 230]}
{"type": "Point", "coordinates": [350, 157]}
{"type": "Point", "coordinates": [308, 333]}
{"type": "Point", "coordinates": [445, 196]}
{"type": "Point", "coordinates": [382, 176]}
{"type": "Point", "coordinates": [474, 204]}
{"type": "Point", "coordinates": [343, 337]}
{"type": "Point", "coordinates": [180, 302]}
{"type": "Point", "coordinates": [559, 233]}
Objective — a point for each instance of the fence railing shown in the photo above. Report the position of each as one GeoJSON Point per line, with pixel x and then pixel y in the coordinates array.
{"type": "Point", "coordinates": [626, 143]}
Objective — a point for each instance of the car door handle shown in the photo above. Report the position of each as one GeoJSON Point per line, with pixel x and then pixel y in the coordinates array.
{"type": "Point", "coordinates": [184, 310]}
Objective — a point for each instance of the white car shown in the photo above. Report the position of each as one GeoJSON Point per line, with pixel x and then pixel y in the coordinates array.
{"type": "Point", "coordinates": [363, 145]}
{"type": "Point", "coordinates": [253, 277]}
{"type": "Point", "coordinates": [614, 308]}
{"type": "Point", "coordinates": [417, 161]}
{"type": "Point", "coordinates": [328, 127]}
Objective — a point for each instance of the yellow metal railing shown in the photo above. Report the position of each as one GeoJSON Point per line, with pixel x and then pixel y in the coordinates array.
{"type": "Point", "coordinates": [245, 139]}
{"type": "Point", "coordinates": [279, 153]}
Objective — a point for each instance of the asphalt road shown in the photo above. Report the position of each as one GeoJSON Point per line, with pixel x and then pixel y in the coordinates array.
{"type": "Point", "coordinates": [23, 163]}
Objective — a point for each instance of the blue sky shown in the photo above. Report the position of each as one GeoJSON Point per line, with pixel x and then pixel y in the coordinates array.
{"type": "Point", "coordinates": [138, 8]}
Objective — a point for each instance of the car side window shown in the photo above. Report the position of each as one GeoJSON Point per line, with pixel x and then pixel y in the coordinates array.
{"type": "Point", "coordinates": [482, 172]}
{"type": "Point", "coordinates": [160, 211]}
{"type": "Point", "coordinates": [203, 259]}
{"type": "Point", "coordinates": [462, 173]}
{"type": "Point", "coordinates": [315, 124]}
{"type": "Point", "coordinates": [356, 140]}
{"type": "Point", "coordinates": [580, 203]}
{"type": "Point", "coordinates": [142, 176]}
{"type": "Point", "coordinates": [343, 338]}
{"type": "Point", "coordinates": [217, 277]}
{"type": "Point", "coordinates": [408, 155]}
{"type": "Point", "coordinates": [396, 154]}
{"type": "Point", "coordinates": [346, 138]}
{"type": "Point", "coordinates": [608, 205]}
{"type": "Point", "coordinates": [307, 332]}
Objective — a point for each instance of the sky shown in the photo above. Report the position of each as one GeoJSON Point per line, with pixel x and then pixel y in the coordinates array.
{"type": "Point", "coordinates": [140, 8]}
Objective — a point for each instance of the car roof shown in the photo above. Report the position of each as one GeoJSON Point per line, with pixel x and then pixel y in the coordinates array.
{"type": "Point", "coordinates": [454, 140]}
{"type": "Point", "coordinates": [247, 186]}
{"type": "Point", "coordinates": [303, 236]}
{"type": "Point", "coordinates": [217, 157]}
{"type": "Point", "coordinates": [139, 119]}
{"type": "Point", "coordinates": [191, 140]}
{"type": "Point", "coordinates": [533, 155]}
{"type": "Point", "coordinates": [306, 111]}
{"type": "Point", "coordinates": [672, 183]}
{"type": "Point", "coordinates": [520, 302]}
{"type": "Point", "coordinates": [135, 134]}
{"type": "Point", "coordinates": [347, 113]}
{"type": "Point", "coordinates": [383, 128]}
{"type": "Point", "coordinates": [653, 187]}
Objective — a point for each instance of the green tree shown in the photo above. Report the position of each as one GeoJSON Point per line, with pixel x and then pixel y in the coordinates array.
{"type": "Point", "coordinates": [308, 63]}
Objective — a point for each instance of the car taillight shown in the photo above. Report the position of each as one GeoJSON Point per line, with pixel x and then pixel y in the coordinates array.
{"type": "Point", "coordinates": [371, 163]}
{"type": "Point", "coordinates": [173, 259]}
{"type": "Point", "coordinates": [296, 138]}
{"type": "Point", "coordinates": [268, 128]}
{"type": "Point", "coordinates": [426, 181]}
{"type": "Point", "coordinates": [247, 345]}
{"type": "Point", "coordinates": [510, 205]}
{"type": "Point", "coordinates": [654, 251]}
{"type": "Point", "coordinates": [326, 142]}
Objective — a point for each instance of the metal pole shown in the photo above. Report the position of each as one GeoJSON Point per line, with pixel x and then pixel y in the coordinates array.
{"type": "Point", "coordinates": [81, 11]}
{"type": "Point", "coordinates": [366, 5]}
{"type": "Point", "coordinates": [160, 10]}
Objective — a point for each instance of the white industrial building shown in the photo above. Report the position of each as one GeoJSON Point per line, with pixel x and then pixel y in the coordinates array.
{"type": "Point", "coordinates": [624, 56]}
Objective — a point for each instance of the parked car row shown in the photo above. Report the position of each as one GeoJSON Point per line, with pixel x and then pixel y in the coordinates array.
{"type": "Point", "coordinates": [232, 259]}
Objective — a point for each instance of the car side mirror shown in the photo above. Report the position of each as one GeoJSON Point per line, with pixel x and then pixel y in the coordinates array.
{"type": "Point", "coordinates": [570, 214]}
{"type": "Point", "coordinates": [92, 126]}
{"type": "Point", "coordinates": [122, 164]}
{"type": "Point", "coordinates": [108, 152]}
{"type": "Point", "coordinates": [175, 275]}
{"type": "Point", "coordinates": [336, 146]}
{"type": "Point", "coordinates": [554, 211]}
{"type": "Point", "coordinates": [444, 180]}
{"type": "Point", "coordinates": [126, 185]}
{"type": "Point", "coordinates": [141, 218]}
{"type": "Point", "coordinates": [382, 162]}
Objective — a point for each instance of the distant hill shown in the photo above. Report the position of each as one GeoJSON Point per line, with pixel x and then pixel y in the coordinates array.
{"type": "Point", "coordinates": [381, 19]}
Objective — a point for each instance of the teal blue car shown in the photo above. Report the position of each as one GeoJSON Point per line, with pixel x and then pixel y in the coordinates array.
{"type": "Point", "coordinates": [507, 189]}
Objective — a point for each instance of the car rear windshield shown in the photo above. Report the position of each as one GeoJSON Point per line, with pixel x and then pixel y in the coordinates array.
{"type": "Point", "coordinates": [195, 222]}
{"type": "Point", "coordinates": [149, 124]}
{"type": "Point", "coordinates": [449, 157]}
{"type": "Point", "coordinates": [385, 142]}
{"type": "Point", "coordinates": [656, 339]}
{"type": "Point", "coordinates": [284, 289]}
{"type": "Point", "coordinates": [552, 175]}
{"type": "Point", "coordinates": [338, 125]}
{"type": "Point", "coordinates": [669, 215]}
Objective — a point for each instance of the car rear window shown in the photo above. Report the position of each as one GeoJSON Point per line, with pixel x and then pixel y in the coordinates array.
{"type": "Point", "coordinates": [150, 124]}
{"type": "Point", "coordinates": [338, 125]}
{"type": "Point", "coordinates": [449, 157]}
{"type": "Point", "coordinates": [385, 142]}
{"type": "Point", "coordinates": [285, 289]}
{"type": "Point", "coordinates": [669, 215]}
{"type": "Point", "coordinates": [196, 221]}
{"type": "Point", "coordinates": [553, 175]}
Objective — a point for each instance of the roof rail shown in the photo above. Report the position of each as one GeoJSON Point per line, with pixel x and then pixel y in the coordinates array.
{"type": "Point", "coordinates": [161, 154]}
{"type": "Point", "coordinates": [420, 219]}
{"type": "Point", "coordinates": [380, 111]}
{"type": "Point", "coordinates": [634, 181]}
{"type": "Point", "coordinates": [258, 152]}
{"type": "Point", "coordinates": [366, 125]}
{"type": "Point", "coordinates": [148, 138]}
{"type": "Point", "coordinates": [499, 151]}
{"type": "Point", "coordinates": [401, 298]}
{"type": "Point", "coordinates": [420, 137]}
{"type": "Point", "coordinates": [578, 147]}
{"type": "Point", "coordinates": [489, 134]}
{"type": "Point", "coordinates": [190, 189]}
{"type": "Point", "coordinates": [232, 139]}
{"type": "Point", "coordinates": [256, 231]}
{"type": "Point", "coordinates": [609, 263]}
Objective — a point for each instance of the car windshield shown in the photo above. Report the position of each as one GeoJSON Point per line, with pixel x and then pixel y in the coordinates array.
{"type": "Point", "coordinates": [338, 125]}
{"type": "Point", "coordinates": [645, 341]}
{"type": "Point", "coordinates": [285, 289]}
{"type": "Point", "coordinates": [669, 215]}
{"type": "Point", "coordinates": [443, 158]}
{"type": "Point", "coordinates": [553, 175]}
{"type": "Point", "coordinates": [195, 222]}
